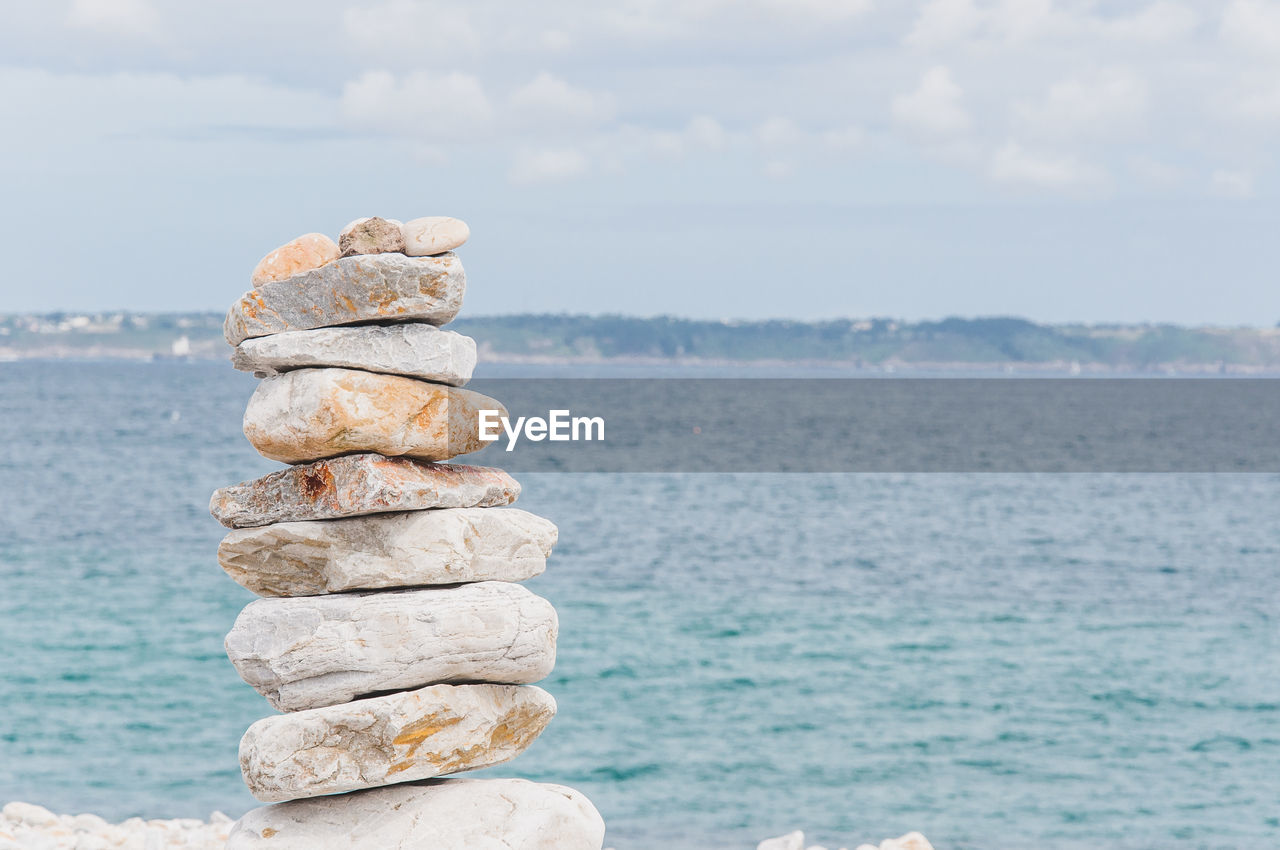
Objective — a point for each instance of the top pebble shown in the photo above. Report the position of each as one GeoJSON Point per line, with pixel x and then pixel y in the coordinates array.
{"type": "Point", "coordinates": [372, 236]}
{"type": "Point", "coordinates": [434, 235]}
{"type": "Point", "coordinates": [307, 252]}
{"type": "Point", "coordinates": [422, 237]}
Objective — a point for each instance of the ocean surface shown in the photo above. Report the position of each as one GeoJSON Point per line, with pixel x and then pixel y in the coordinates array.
{"type": "Point", "coordinates": [999, 661]}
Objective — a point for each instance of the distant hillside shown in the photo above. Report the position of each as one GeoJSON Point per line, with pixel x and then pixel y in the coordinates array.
{"type": "Point", "coordinates": [865, 343]}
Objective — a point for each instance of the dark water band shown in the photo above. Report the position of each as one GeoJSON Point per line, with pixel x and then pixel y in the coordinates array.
{"type": "Point", "coordinates": [896, 425]}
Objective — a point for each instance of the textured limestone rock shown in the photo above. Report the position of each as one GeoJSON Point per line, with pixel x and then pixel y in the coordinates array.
{"type": "Point", "coordinates": [413, 349]}
{"type": "Point", "coordinates": [434, 235]}
{"type": "Point", "coordinates": [377, 287]}
{"type": "Point", "coordinates": [371, 236]}
{"type": "Point", "coordinates": [403, 737]}
{"type": "Point", "coordinates": [310, 414]}
{"type": "Point", "coordinates": [443, 814]}
{"type": "Point", "coordinates": [411, 549]}
{"type": "Point", "coordinates": [307, 252]}
{"type": "Point", "coordinates": [314, 651]}
{"type": "Point", "coordinates": [355, 485]}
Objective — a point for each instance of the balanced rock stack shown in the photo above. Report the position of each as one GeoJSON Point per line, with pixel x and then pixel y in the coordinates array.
{"type": "Point", "coordinates": [391, 632]}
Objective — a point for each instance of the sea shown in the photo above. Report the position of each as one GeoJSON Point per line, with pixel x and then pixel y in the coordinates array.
{"type": "Point", "coordinates": [1007, 661]}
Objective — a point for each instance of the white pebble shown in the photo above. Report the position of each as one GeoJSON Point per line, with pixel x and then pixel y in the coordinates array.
{"type": "Point", "coordinates": [29, 814]}
{"type": "Point", "coordinates": [434, 235]}
{"type": "Point", "coordinates": [88, 823]}
{"type": "Point", "coordinates": [790, 841]}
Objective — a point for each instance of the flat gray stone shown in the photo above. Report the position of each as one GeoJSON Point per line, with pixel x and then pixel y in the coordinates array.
{"type": "Point", "coordinates": [356, 485]}
{"type": "Point", "coordinates": [412, 349]}
{"type": "Point", "coordinates": [368, 288]}
{"type": "Point", "coordinates": [441, 814]}
{"type": "Point", "coordinates": [310, 414]}
{"type": "Point", "coordinates": [412, 549]}
{"type": "Point", "coordinates": [313, 651]}
{"type": "Point", "coordinates": [405, 737]}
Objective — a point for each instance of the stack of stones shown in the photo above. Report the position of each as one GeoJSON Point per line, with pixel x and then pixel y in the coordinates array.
{"type": "Point", "coordinates": [391, 631]}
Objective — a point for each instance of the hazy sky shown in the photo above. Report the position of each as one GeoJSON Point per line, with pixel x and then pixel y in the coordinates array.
{"type": "Point", "coordinates": [1056, 159]}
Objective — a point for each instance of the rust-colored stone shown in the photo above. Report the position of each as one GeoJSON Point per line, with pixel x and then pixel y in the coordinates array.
{"type": "Point", "coordinates": [308, 414]}
{"type": "Point", "coordinates": [354, 485]}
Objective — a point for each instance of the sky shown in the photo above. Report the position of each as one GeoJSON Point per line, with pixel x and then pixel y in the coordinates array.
{"type": "Point", "coordinates": [1062, 160]}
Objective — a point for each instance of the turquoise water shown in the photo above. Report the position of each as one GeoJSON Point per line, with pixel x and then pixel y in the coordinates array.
{"type": "Point", "coordinates": [1001, 662]}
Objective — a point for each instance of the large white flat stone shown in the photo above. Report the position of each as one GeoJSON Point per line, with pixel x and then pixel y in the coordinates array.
{"type": "Point", "coordinates": [442, 814]}
{"type": "Point", "coordinates": [411, 349]}
{"type": "Point", "coordinates": [403, 737]}
{"type": "Point", "coordinates": [409, 549]}
{"type": "Point", "coordinates": [313, 651]}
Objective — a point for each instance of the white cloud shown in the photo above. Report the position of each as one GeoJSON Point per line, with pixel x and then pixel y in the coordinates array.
{"type": "Point", "coordinates": [132, 18]}
{"type": "Point", "coordinates": [442, 107]}
{"type": "Point", "coordinates": [1257, 101]}
{"type": "Point", "coordinates": [104, 106]}
{"type": "Point", "coordinates": [702, 134]}
{"type": "Point", "coordinates": [1155, 172]}
{"type": "Point", "coordinates": [1100, 104]}
{"type": "Point", "coordinates": [550, 100]}
{"type": "Point", "coordinates": [1160, 22]}
{"type": "Point", "coordinates": [842, 138]}
{"type": "Point", "coordinates": [1231, 184]}
{"type": "Point", "coordinates": [411, 26]}
{"type": "Point", "coordinates": [944, 21]}
{"type": "Point", "coordinates": [734, 21]}
{"type": "Point", "coordinates": [779, 169]}
{"type": "Point", "coordinates": [821, 10]}
{"type": "Point", "coordinates": [1008, 22]}
{"type": "Point", "coordinates": [1253, 24]}
{"type": "Point", "coordinates": [705, 133]}
{"type": "Point", "coordinates": [556, 41]}
{"type": "Point", "coordinates": [1015, 165]}
{"type": "Point", "coordinates": [935, 108]}
{"type": "Point", "coordinates": [548, 165]}
{"type": "Point", "coordinates": [1016, 23]}
{"type": "Point", "coordinates": [777, 133]}
{"type": "Point", "coordinates": [1022, 21]}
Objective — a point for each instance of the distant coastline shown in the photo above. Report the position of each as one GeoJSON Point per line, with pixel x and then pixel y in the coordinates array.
{"type": "Point", "coordinates": [999, 344]}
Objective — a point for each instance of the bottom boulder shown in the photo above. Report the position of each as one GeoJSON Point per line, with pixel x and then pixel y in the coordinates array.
{"type": "Point", "coordinates": [441, 814]}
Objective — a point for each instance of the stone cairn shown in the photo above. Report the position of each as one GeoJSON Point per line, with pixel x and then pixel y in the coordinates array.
{"type": "Point", "coordinates": [391, 632]}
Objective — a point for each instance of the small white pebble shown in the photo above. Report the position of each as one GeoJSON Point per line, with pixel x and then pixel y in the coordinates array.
{"type": "Point", "coordinates": [32, 839]}
{"type": "Point", "coordinates": [88, 841]}
{"type": "Point", "coordinates": [790, 841]}
{"type": "Point", "coordinates": [29, 814]}
{"type": "Point", "coordinates": [88, 823]}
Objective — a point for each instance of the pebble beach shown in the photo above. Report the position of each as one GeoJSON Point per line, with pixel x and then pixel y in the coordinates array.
{"type": "Point", "coordinates": [31, 827]}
